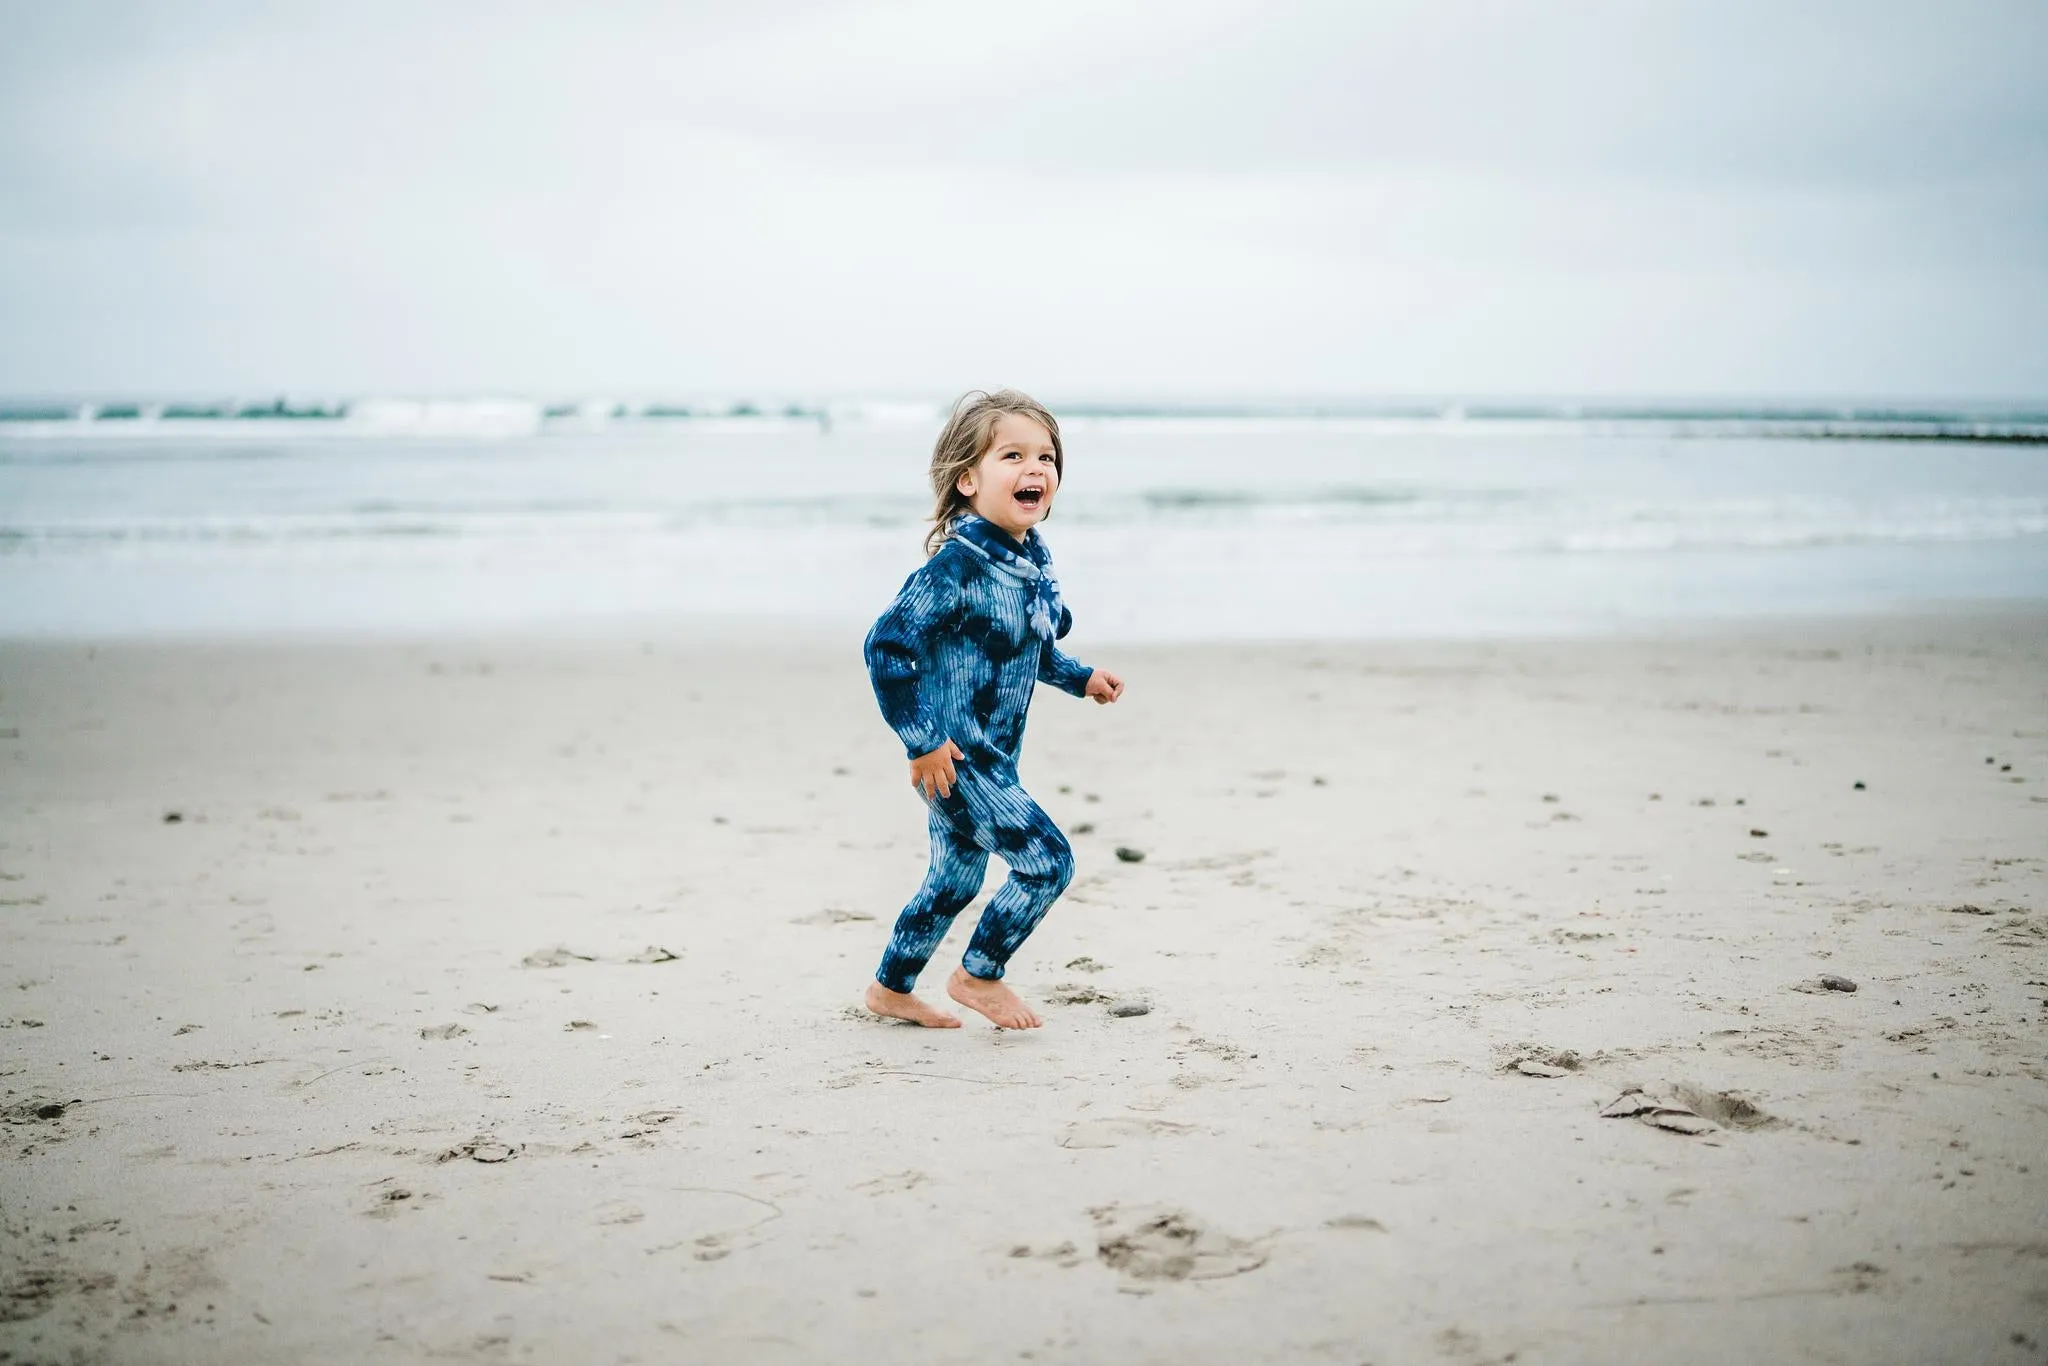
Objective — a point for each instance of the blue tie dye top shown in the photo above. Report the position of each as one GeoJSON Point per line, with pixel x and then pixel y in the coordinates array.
{"type": "Point", "coordinates": [959, 652]}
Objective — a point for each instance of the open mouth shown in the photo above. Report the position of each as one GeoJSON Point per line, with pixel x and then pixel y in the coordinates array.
{"type": "Point", "coordinates": [1031, 497]}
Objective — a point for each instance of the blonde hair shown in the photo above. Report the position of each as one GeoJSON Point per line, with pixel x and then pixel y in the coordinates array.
{"type": "Point", "coordinates": [965, 439]}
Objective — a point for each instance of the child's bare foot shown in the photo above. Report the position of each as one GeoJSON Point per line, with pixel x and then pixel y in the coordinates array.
{"type": "Point", "coordinates": [901, 1005]}
{"type": "Point", "coordinates": [1004, 1008]}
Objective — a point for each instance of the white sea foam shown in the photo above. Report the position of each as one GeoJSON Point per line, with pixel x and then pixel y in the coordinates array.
{"type": "Point", "coordinates": [497, 417]}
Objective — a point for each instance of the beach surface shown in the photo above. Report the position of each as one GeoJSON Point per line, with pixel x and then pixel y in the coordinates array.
{"type": "Point", "coordinates": [496, 1000]}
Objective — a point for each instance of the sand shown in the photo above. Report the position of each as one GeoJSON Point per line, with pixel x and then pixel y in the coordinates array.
{"type": "Point", "coordinates": [495, 1001]}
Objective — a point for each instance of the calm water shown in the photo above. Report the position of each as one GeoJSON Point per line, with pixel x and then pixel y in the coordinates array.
{"type": "Point", "coordinates": [1165, 529]}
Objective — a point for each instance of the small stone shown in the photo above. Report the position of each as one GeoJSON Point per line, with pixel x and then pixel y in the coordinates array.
{"type": "Point", "coordinates": [1834, 983]}
{"type": "Point", "coordinates": [173, 817]}
{"type": "Point", "coordinates": [1085, 828]}
{"type": "Point", "coordinates": [1759, 834]}
{"type": "Point", "coordinates": [1125, 1010]}
{"type": "Point", "coordinates": [1859, 785]}
{"type": "Point", "coordinates": [1125, 853]}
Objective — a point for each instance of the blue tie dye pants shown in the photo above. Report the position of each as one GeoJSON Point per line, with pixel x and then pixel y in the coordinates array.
{"type": "Point", "coordinates": [983, 815]}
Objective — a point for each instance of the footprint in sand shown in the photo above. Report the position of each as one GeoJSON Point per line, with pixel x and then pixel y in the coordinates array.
{"type": "Point", "coordinates": [1169, 1245]}
{"type": "Point", "coordinates": [1112, 1131]}
{"type": "Point", "coordinates": [393, 1199]}
{"type": "Point", "coordinates": [1538, 1060]}
{"type": "Point", "coordinates": [1687, 1109]}
{"type": "Point", "coordinates": [1063, 1255]}
{"type": "Point", "coordinates": [559, 956]}
{"type": "Point", "coordinates": [831, 915]}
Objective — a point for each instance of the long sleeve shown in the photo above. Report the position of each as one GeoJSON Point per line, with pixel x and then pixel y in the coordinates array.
{"type": "Point", "coordinates": [896, 655]}
{"type": "Point", "coordinates": [1061, 669]}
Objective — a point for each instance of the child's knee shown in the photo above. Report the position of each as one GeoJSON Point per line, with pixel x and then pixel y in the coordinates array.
{"type": "Point", "coordinates": [950, 901]}
{"type": "Point", "coordinates": [1056, 862]}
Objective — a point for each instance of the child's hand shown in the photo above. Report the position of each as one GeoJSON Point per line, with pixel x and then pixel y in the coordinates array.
{"type": "Point", "coordinates": [934, 772]}
{"type": "Point", "coordinates": [1105, 687]}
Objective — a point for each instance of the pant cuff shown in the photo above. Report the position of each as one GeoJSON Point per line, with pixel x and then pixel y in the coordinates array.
{"type": "Point", "coordinates": [980, 965]}
{"type": "Point", "coordinates": [899, 977]}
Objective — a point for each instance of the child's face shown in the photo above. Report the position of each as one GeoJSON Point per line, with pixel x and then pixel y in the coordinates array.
{"type": "Point", "coordinates": [1014, 483]}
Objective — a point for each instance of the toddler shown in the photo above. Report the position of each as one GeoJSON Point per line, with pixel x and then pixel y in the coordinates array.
{"type": "Point", "coordinates": [954, 662]}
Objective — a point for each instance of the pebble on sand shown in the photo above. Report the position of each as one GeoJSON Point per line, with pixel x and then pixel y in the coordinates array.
{"type": "Point", "coordinates": [1130, 855]}
{"type": "Point", "coordinates": [1834, 983]}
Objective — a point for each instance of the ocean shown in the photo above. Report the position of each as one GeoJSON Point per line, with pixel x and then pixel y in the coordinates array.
{"type": "Point", "coordinates": [449, 518]}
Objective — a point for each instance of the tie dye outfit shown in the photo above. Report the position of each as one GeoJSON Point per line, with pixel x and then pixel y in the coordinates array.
{"type": "Point", "coordinates": [957, 657]}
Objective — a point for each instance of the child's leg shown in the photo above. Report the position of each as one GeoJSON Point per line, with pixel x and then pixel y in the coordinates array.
{"type": "Point", "coordinates": [1016, 829]}
{"type": "Point", "coordinates": [953, 880]}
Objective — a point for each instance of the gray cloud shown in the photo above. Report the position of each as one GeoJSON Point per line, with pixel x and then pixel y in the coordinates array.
{"type": "Point", "coordinates": [1738, 197]}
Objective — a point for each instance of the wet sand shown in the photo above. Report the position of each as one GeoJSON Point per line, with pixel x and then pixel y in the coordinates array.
{"type": "Point", "coordinates": [496, 1001]}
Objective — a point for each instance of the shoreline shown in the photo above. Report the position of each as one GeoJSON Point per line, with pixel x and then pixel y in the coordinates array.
{"type": "Point", "coordinates": [813, 634]}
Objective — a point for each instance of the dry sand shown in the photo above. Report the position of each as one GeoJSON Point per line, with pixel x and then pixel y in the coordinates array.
{"type": "Point", "coordinates": [332, 1031]}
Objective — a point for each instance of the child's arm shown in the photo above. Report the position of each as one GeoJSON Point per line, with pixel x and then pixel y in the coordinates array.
{"type": "Point", "coordinates": [1057, 667]}
{"type": "Point", "coordinates": [895, 657]}
{"type": "Point", "coordinates": [1062, 670]}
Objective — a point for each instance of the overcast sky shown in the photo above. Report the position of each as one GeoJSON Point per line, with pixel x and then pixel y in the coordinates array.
{"type": "Point", "coordinates": [1837, 198]}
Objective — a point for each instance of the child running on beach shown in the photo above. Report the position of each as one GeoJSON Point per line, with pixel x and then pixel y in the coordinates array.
{"type": "Point", "coordinates": [954, 662]}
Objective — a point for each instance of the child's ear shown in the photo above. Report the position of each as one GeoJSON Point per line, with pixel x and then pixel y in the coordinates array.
{"type": "Point", "coordinates": [965, 483]}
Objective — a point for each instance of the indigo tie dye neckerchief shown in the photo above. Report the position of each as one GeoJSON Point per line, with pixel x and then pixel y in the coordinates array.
{"type": "Point", "coordinates": [1029, 564]}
